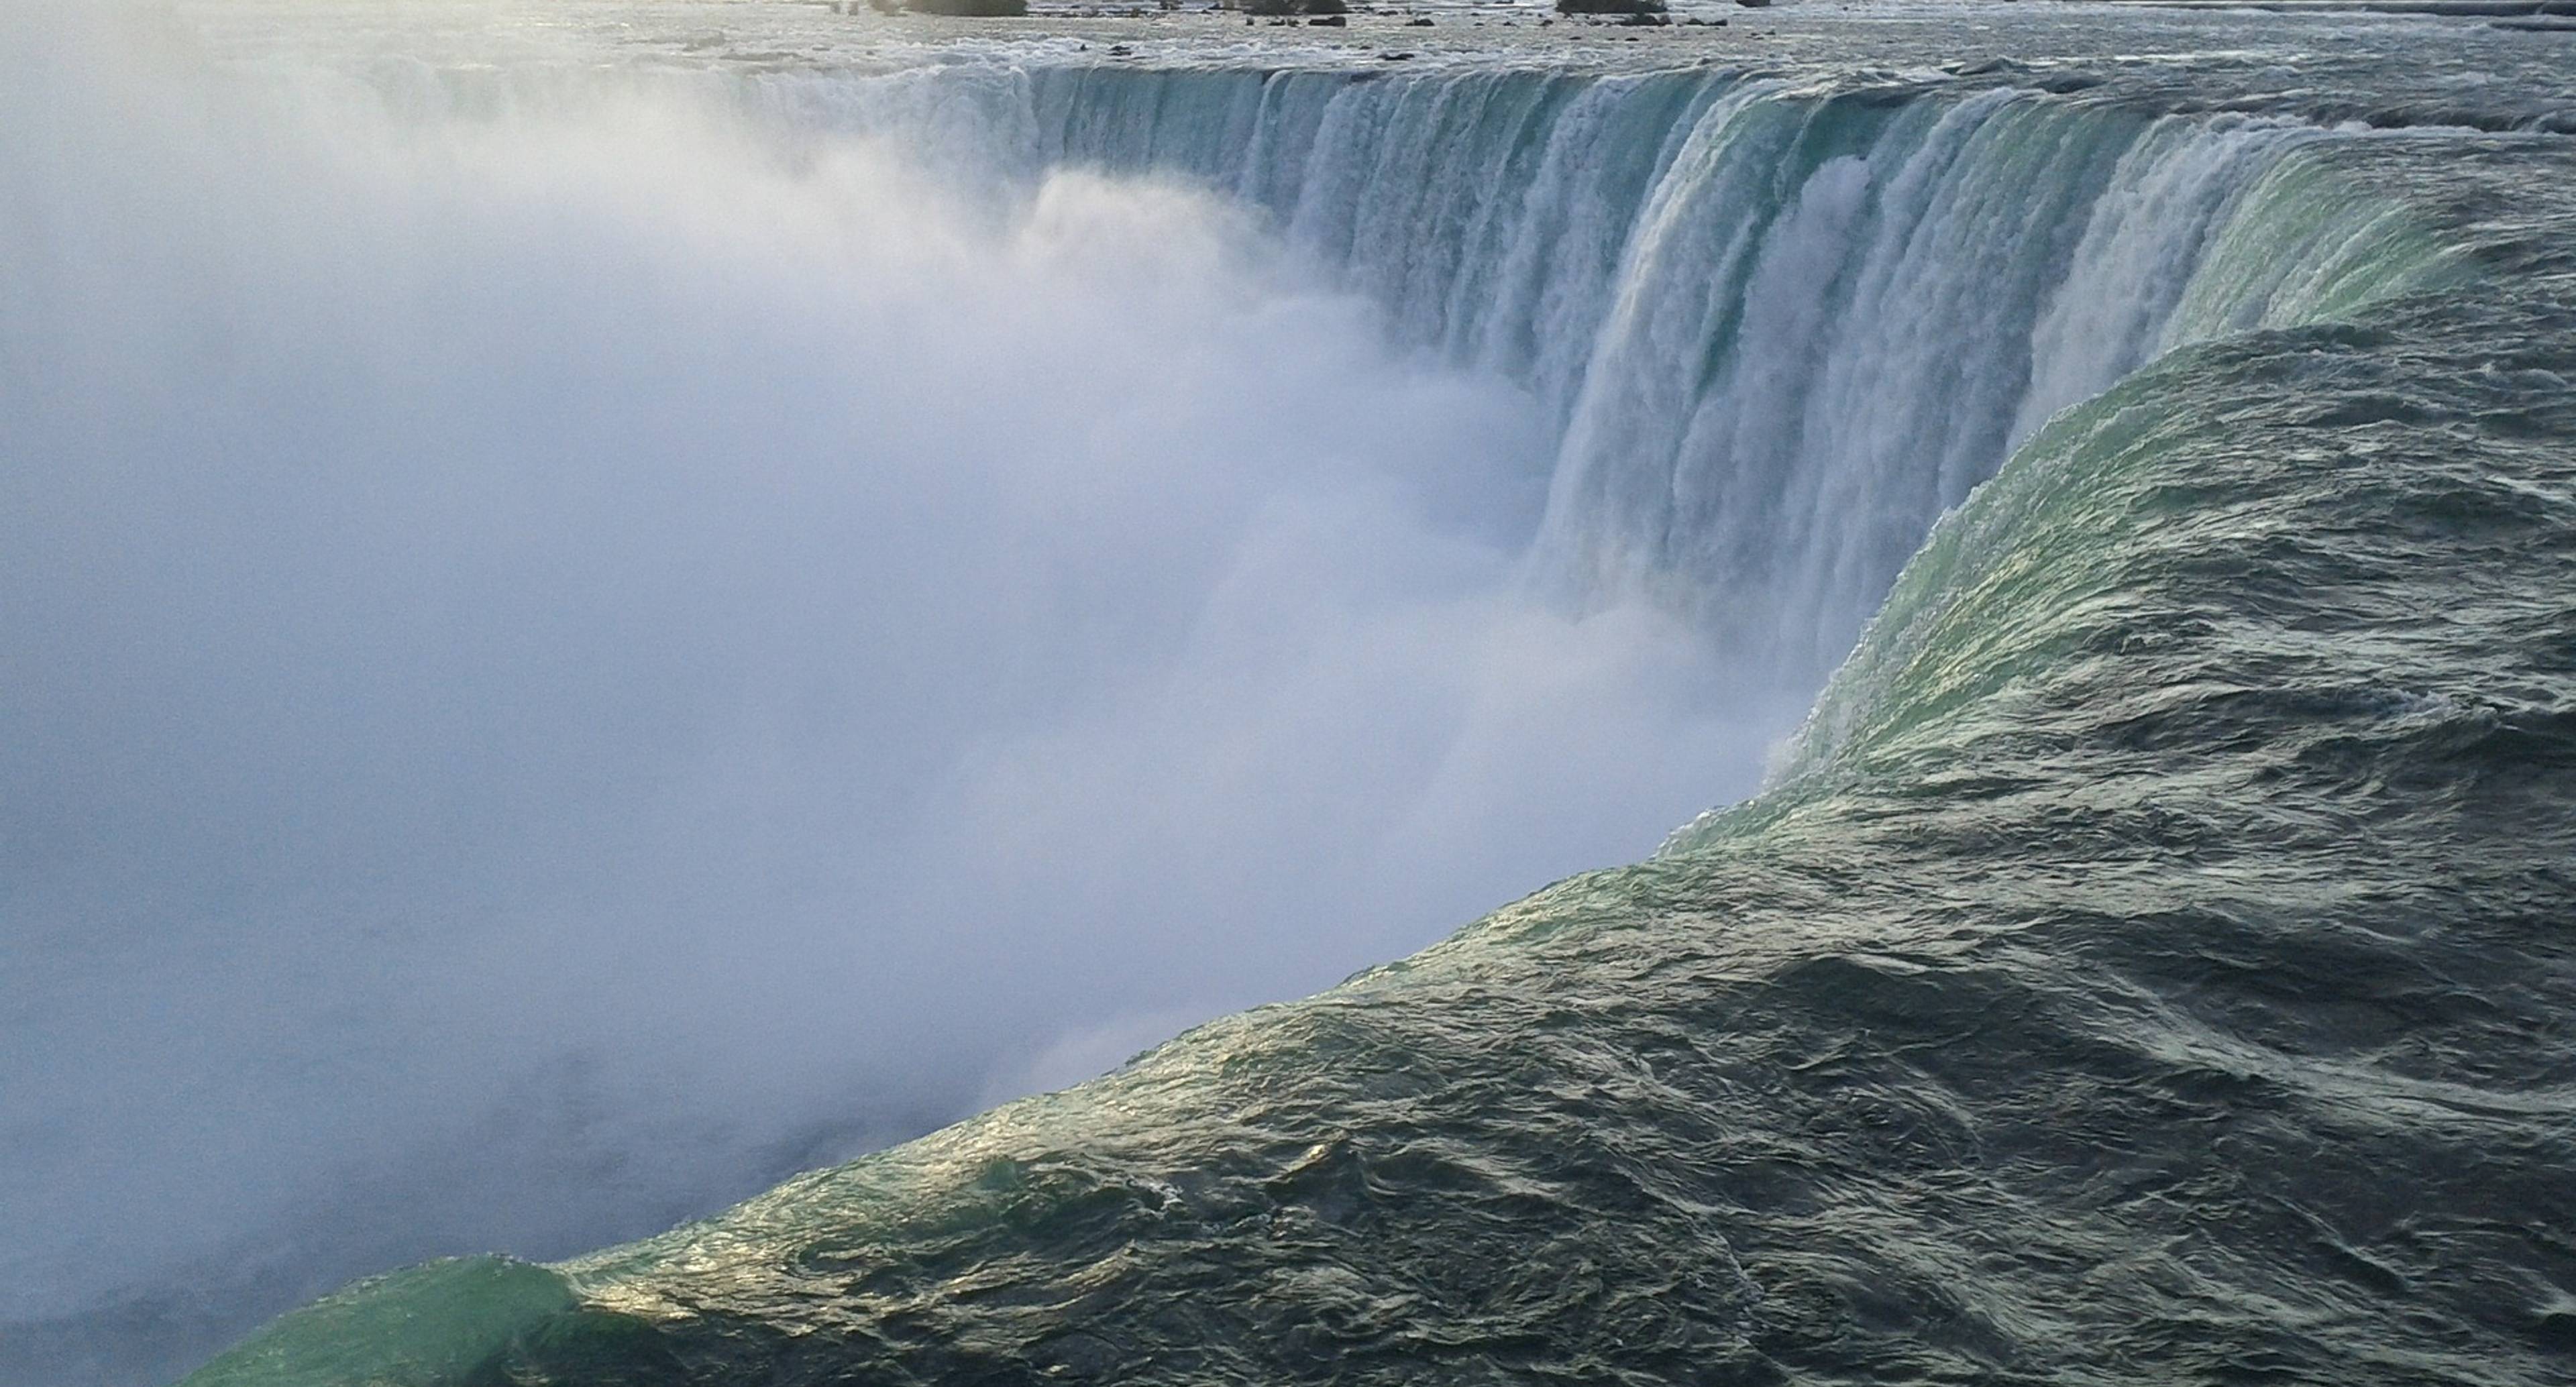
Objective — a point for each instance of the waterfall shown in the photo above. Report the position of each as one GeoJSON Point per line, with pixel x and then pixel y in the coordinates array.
{"type": "Point", "coordinates": [1781, 330]}
{"type": "Point", "coordinates": [722, 542]}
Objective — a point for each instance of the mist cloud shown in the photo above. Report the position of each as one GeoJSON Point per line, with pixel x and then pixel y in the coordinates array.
{"type": "Point", "coordinates": [559, 665]}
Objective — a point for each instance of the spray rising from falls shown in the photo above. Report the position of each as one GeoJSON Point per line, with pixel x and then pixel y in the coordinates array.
{"type": "Point", "coordinates": [788, 747]}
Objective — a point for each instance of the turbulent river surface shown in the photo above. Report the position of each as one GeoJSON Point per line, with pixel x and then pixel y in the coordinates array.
{"type": "Point", "coordinates": [2089, 492]}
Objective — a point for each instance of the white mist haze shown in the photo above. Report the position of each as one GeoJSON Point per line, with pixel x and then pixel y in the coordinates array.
{"type": "Point", "coordinates": [556, 668]}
